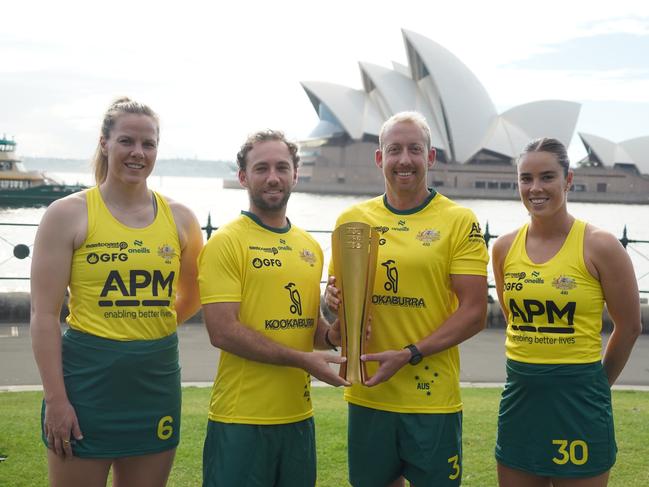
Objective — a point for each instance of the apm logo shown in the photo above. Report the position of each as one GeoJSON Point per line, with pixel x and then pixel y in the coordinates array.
{"type": "Point", "coordinates": [294, 294]}
{"type": "Point", "coordinates": [524, 312]}
{"type": "Point", "coordinates": [151, 284]}
{"type": "Point", "coordinates": [392, 276]}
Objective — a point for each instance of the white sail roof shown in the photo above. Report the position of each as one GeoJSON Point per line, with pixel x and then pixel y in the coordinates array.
{"type": "Point", "coordinates": [638, 149]}
{"type": "Point", "coordinates": [466, 109]}
{"type": "Point", "coordinates": [461, 115]}
{"type": "Point", "coordinates": [395, 92]}
{"type": "Point", "coordinates": [547, 118]}
{"type": "Point", "coordinates": [352, 108]}
{"type": "Point", "coordinates": [505, 138]}
{"type": "Point", "coordinates": [603, 150]}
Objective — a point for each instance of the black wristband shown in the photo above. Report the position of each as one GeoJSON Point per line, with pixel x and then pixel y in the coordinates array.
{"type": "Point", "coordinates": [328, 342]}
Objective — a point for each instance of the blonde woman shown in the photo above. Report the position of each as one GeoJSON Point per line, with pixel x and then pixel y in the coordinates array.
{"type": "Point", "coordinates": [128, 257]}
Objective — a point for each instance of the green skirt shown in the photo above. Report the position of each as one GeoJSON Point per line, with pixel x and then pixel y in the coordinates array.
{"type": "Point", "coordinates": [556, 420]}
{"type": "Point", "coordinates": [126, 394]}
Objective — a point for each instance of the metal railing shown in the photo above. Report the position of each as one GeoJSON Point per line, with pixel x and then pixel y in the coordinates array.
{"type": "Point", "coordinates": [22, 251]}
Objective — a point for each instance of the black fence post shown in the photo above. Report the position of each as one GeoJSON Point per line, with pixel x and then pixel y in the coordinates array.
{"type": "Point", "coordinates": [624, 240]}
{"type": "Point", "coordinates": [488, 236]}
{"type": "Point", "coordinates": [209, 228]}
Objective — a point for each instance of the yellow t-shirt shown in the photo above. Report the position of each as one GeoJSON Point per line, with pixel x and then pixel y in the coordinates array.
{"type": "Point", "coordinates": [419, 250]}
{"type": "Point", "coordinates": [275, 276]}
{"type": "Point", "coordinates": [554, 309]}
{"type": "Point", "coordinates": [123, 279]}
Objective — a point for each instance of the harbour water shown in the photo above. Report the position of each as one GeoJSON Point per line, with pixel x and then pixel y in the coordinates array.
{"type": "Point", "coordinates": [318, 212]}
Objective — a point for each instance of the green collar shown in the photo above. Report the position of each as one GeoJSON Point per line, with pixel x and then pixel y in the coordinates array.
{"type": "Point", "coordinates": [410, 211]}
{"type": "Point", "coordinates": [258, 221]}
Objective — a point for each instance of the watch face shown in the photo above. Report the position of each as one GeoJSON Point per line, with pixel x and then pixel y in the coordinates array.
{"type": "Point", "coordinates": [415, 359]}
{"type": "Point", "coordinates": [416, 356]}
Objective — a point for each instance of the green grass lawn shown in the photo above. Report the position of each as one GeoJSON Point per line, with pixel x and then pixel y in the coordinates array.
{"type": "Point", "coordinates": [25, 465]}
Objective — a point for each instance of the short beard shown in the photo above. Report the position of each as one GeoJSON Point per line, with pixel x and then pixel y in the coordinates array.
{"type": "Point", "coordinates": [260, 203]}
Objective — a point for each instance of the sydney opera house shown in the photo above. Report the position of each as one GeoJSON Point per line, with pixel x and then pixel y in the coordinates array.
{"type": "Point", "coordinates": [476, 145]}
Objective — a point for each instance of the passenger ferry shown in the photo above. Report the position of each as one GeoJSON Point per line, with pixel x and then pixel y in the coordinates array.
{"type": "Point", "coordinates": [20, 187]}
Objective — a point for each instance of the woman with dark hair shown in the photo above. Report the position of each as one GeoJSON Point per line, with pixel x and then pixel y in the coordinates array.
{"type": "Point", "coordinates": [128, 257]}
{"type": "Point", "coordinates": [553, 277]}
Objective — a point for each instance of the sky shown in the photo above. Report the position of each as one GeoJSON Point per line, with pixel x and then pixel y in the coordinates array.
{"type": "Point", "coordinates": [216, 71]}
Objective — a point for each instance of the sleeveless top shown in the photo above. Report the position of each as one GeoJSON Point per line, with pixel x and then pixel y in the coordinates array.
{"type": "Point", "coordinates": [554, 309]}
{"type": "Point", "coordinates": [123, 280]}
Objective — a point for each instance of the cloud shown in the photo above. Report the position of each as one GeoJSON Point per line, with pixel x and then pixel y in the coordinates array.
{"type": "Point", "coordinates": [215, 71]}
{"type": "Point", "coordinates": [618, 51]}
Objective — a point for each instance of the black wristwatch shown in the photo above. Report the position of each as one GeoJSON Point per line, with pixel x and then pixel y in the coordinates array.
{"type": "Point", "coordinates": [415, 354]}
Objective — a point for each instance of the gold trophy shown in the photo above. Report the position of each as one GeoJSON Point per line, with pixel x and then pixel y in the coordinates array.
{"type": "Point", "coordinates": [354, 251]}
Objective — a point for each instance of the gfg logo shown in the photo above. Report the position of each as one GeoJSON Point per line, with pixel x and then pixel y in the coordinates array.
{"type": "Point", "coordinates": [93, 258]}
{"type": "Point", "coordinates": [258, 263]}
{"type": "Point", "coordinates": [513, 286]}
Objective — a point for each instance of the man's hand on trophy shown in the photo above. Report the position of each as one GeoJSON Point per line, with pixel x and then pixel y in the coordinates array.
{"type": "Point", "coordinates": [317, 364]}
{"type": "Point", "coordinates": [334, 332]}
{"type": "Point", "coordinates": [389, 361]}
{"type": "Point", "coordinates": [333, 335]}
{"type": "Point", "coordinates": [332, 294]}
{"type": "Point", "coordinates": [368, 328]}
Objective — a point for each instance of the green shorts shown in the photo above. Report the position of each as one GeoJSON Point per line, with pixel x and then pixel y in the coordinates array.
{"type": "Point", "coordinates": [556, 420]}
{"type": "Point", "coordinates": [425, 448]}
{"type": "Point", "coordinates": [126, 394]}
{"type": "Point", "coordinates": [250, 455]}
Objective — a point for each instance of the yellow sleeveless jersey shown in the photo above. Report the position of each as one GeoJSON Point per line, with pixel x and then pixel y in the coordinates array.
{"type": "Point", "coordinates": [554, 309]}
{"type": "Point", "coordinates": [275, 276]}
{"type": "Point", "coordinates": [123, 280]}
{"type": "Point", "coordinates": [419, 249]}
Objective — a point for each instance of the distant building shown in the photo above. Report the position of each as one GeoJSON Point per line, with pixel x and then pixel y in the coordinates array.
{"type": "Point", "coordinates": [476, 146]}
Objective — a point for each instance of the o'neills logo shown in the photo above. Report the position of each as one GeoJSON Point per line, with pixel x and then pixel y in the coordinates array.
{"type": "Point", "coordinates": [403, 301]}
{"type": "Point", "coordinates": [401, 227]}
{"type": "Point", "coordinates": [289, 323]}
{"type": "Point", "coordinates": [140, 250]}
